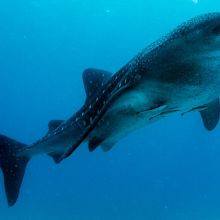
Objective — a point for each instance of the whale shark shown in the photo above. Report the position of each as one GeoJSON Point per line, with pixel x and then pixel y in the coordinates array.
{"type": "Point", "coordinates": [179, 73]}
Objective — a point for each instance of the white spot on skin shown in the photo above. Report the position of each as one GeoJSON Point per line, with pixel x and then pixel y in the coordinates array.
{"type": "Point", "coordinates": [91, 120]}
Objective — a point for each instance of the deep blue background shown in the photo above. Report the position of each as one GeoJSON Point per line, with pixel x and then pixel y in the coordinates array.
{"type": "Point", "coordinates": [170, 170]}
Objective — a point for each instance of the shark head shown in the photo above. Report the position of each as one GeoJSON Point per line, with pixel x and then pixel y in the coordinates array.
{"type": "Point", "coordinates": [202, 33]}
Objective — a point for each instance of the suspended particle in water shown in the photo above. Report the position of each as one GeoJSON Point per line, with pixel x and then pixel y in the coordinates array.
{"type": "Point", "coordinates": [195, 1]}
{"type": "Point", "coordinates": [108, 11]}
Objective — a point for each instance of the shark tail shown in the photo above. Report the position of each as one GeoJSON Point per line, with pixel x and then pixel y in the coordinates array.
{"type": "Point", "coordinates": [13, 167]}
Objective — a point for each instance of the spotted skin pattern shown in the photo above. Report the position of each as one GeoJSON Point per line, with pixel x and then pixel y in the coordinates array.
{"type": "Point", "coordinates": [179, 73]}
{"type": "Point", "coordinates": [136, 71]}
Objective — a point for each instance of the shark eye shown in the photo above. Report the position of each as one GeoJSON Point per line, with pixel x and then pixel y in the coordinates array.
{"type": "Point", "coordinates": [216, 30]}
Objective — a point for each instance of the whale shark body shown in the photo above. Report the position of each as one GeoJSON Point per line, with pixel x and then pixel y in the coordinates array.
{"type": "Point", "coordinates": [179, 73]}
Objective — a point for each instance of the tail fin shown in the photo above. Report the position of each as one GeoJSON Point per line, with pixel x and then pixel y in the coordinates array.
{"type": "Point", "coordinates": [13, 167]}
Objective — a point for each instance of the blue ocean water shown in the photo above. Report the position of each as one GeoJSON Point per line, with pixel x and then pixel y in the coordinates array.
{"type": "Point", "coordinates": [167, 171]}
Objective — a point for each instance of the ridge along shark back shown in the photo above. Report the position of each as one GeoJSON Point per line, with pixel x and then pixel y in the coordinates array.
{"type": "Point", "coordinates": [179, 73]}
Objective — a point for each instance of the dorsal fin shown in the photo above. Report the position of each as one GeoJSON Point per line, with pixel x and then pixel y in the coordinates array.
{"type": "Point", "coordinates": [211, 114]}
{"type": "Point", "coordinates": [53, 124]}
{"type": "Point", "coordinates": [93, 80]}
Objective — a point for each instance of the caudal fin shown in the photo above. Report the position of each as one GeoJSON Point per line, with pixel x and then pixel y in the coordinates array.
{"type": "Point", "coordinates": [13, 167]}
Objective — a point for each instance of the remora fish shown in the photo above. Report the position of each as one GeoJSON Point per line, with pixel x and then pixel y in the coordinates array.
{"type": "Point", "coordinates": [179, 73]}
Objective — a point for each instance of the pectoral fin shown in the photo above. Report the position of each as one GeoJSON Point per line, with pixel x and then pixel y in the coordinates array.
{"type": "Point", "coordinates": [211, 115]}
